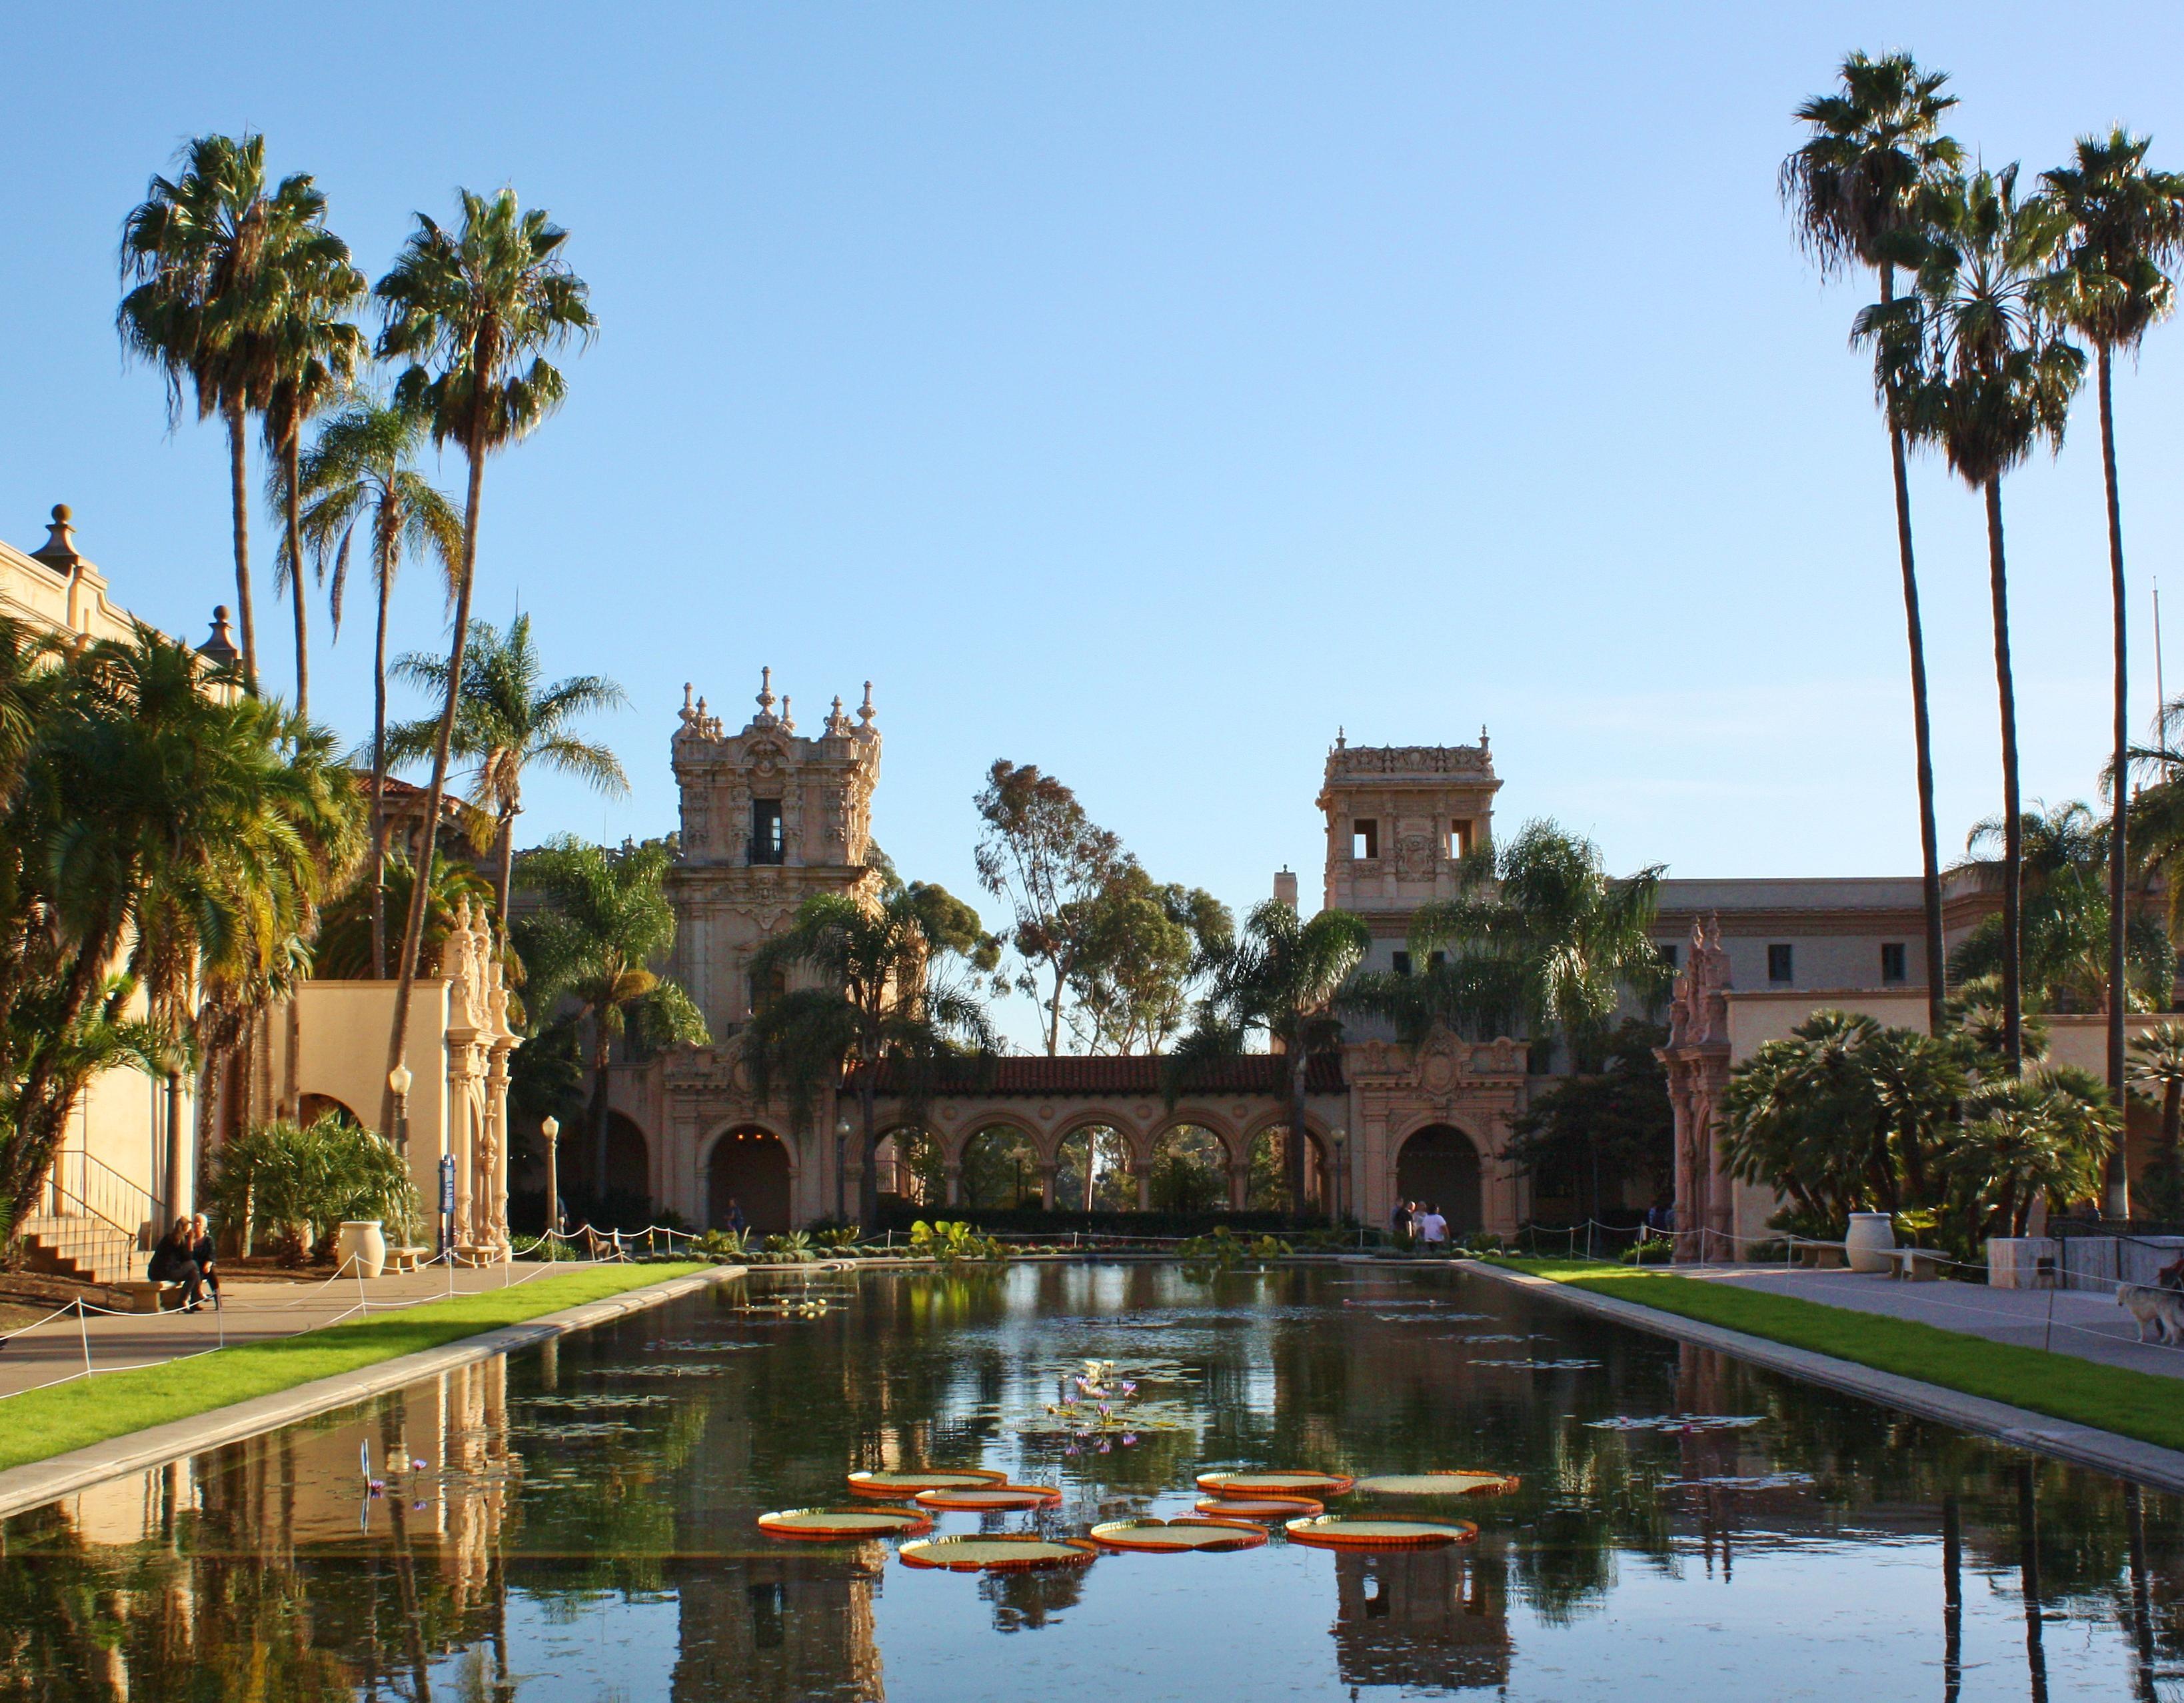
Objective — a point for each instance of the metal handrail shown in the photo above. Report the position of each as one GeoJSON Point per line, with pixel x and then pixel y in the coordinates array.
{"type": "Point", "coordinates": [105, 1192]}
{"type": "Point", "coordinates": [68, 1239]}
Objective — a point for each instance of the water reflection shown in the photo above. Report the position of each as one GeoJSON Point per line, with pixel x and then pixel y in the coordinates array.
{"type": "Point", "coordinates": [581, 1525]}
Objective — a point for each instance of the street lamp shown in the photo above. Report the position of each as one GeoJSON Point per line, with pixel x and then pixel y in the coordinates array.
{"type": "Point", "coordinates": [399, 1080]}
{"type": "Point", "coordinates": [1339, 1180]}
{"type": "Point", "coordinates": [551, 1129]}
{"type": "Point", "coordinates": [842, 1170]}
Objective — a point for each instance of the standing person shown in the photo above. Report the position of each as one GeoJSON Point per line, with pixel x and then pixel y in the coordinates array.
{"type": "Point", "coordinates": [736, 1220]}
{"type": "Point", "coordinates": [1433, 1228]}
{"type": "Point", "coordinates": [203, 1251]}
{"type": "Point", "coordinates": [172, 1263]}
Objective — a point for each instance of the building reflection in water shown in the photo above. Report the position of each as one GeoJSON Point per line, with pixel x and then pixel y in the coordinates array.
{"type": "Point", "coordinates": [779, 1627]}
{"type": "Point", "coordinates": [1426, 1620]}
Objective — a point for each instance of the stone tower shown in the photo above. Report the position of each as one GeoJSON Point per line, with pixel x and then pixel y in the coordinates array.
{"type": "Point", "coordinates": [769, 819]}
{"type": "Point", "coordinates": [1398, 817]}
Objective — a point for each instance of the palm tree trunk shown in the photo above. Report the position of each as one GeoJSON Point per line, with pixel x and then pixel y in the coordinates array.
{"type": "Point", "coordinates": [291, 453]}
{"type": "Point", "coordinates": [1297, 1137]}
{"type": "Point", "coordinates": [413, 930]}
{"type": "Point", "coordinates": [239, 502]}
{"type": "Point", "coordinates": [504, 871]}
{"type": "Point", "coordinates": [378, 771]}
{"type": "Point", "coordinates": [2012, 1008]}
{"type": "Point", "coordinates": [2119, 1190]}
{"type": "Point", "coordinates": [601, 1058]}
{"type": "Point", "coordinates": [868, 1182]}
{"type": "Point", "coordinates": [1930, 851]}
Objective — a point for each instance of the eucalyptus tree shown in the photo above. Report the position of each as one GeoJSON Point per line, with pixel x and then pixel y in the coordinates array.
{"type": "Point", "coordinates": [2126, 227]}
{"type": "Point", "coordinates": [474, 309]}
{"type": "Point", "coordinates": [1987, 372]}
{"type": "Point", "coordinates": [1283, 978]}
{"type": "Point", "coordinates": [604, 919]}
{"type": "Point", "coordinates": [361, 473]}
{"type": "Point", "coordinates": [205, 251]}
{"type": "Point", "coordinates": [313, 351]}
{"type": "Point", "coordinates": [879, 989]}
{"type": "Point", "coordinates": [1855, 190]}
{"type": "Point", "coordinates": [506, 721]}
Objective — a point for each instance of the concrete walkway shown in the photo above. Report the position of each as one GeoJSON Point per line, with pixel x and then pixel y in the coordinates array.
{"type": "Point", "coordinates": [2082, 1322]}
{"type": "Point", "coordinates": [251, 1312]}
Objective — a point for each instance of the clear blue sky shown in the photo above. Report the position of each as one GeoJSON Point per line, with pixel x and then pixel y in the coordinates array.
{"type": "Point", "coordinates": [1145, 391]}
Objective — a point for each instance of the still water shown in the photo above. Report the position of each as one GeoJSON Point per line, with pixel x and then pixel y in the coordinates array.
{"type": "Point", "coordinates": [576, 1522]}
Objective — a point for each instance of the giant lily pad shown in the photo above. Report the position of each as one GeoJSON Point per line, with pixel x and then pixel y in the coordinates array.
{"type": "Point", "coordinates": [896, 1485]}
{"type": "Point", "coordinates": [1175, 1537]}
{"type": "Point", "coordinates": [1006, 1552]}
{"type": "Point", "coordinates": [1347, 1531]}
{"type": "Point", "coordinates": [1299, 1481]}
{"type": "Point", "coordinates": [1439, 1484]}
{"type": "Point", "coordinates": [819, 1525]}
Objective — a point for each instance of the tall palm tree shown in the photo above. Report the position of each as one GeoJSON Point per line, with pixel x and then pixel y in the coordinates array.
{"type": "Point", "coordinates": [507, 722]}
{"type": "Point", "coordinates": [1854, 190]}
{"type": "Point", "coordinates": [883, 993]}
{"type": "Point", "coordinates": [2126, 228]}
{"type": "Point", "coordinates": [605, 920]}
{"type": "Point", "coordinates": [361, 472]}
{"type": "Point", "coordinates": [1282, 977]}
{"type": "Point", "coordinates": [203, 251]}
{"type": "Point", "coordinates": [473, 309]}
{"type": "Point", "coordinates": [312, 358]}
{"type": "Point", "coordinates": [1987, 373]}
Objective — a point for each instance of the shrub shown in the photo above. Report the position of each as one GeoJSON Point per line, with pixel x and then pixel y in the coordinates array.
{"type": "Point", "coordinates": [296, 1183]}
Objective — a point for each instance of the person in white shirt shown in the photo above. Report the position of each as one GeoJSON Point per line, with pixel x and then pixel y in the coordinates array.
{"type": "Point", "coordinates": [1433, 1228]}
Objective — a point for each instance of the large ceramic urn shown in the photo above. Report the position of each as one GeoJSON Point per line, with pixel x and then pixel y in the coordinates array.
{"type": "Point", "coordinates": [1869, 1234]}
{"type": "Point", "coordinates": [362, 1247]}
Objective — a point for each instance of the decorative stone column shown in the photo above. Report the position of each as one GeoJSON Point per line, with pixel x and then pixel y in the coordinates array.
{"type": "Point", "coordinates": [1046, 1174]}
{"type": "Point", "coordinates": [1240, 1180]}
{"type": "Point", "coordinates": [1697, 1061]}
{"type": "Point", "coordinates": [953, 1172]}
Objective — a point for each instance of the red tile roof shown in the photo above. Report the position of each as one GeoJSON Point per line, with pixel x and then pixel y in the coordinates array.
{"type": "Point", "coordinates": [1257, 1073]}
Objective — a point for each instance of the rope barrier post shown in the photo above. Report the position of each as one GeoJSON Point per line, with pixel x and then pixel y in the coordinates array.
{"type": "Point", "coordinates": [84, 1327]}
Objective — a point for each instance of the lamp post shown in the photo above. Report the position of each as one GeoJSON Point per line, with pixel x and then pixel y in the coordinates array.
{"type": "Point", "coordinates": [1338, 1182]}
{"type": "Point", "coordinates": [399, 1080]}
{"type": "Point", "coordinates": [841, 1170]}
{"type": "Point", "coordinates": [551, 1129]}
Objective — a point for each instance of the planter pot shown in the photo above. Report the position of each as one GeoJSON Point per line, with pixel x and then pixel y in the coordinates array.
{"type": "Point", "coordinates": [361, 1247]}
{"type": "Point", "coordinates": [1870, 1232]}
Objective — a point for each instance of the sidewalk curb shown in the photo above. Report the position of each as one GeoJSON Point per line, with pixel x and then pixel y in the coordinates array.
{"type": "Point", "coordinates": [2082, 1445]}
{"type": "Point", "coordinates": [40, 1481]}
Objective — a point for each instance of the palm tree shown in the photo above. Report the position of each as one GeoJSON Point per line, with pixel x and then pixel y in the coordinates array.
{"type": "Point", "coordinates": [882, 994]}
{"type": "Point", "coordinates": [1854, 191]}
{"type": "Point", "coordinates": [360, 472]}
{"type": "Point", "coordinates": [1283, 977]}
{"type": "Point", "coordinates": [606, 920]}
{"type": "Point", "coordinates": [313, 354]}
{"type": "Point", "coordinates": [1987, 373]}
{"type": "Point", "coordinates": [506, 722]}
{"type": "Point", "coordinates": [473, 309]}
{"type": "Point", "coordinates": [2157, 1067]}
{"type": "Point", "coordinates": [205, 250]}
{"type": "Point", "coordinates": [2126, 225]}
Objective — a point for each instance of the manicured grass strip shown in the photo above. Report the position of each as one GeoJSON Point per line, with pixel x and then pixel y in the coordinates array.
{"type": "Point", "coordinates": [2144, 1405]}
{"type": "Point", "coordinates": [42, 1422]}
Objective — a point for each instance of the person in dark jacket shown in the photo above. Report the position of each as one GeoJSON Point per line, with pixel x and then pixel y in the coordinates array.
{"type": "Point", "coordinates": [202, 1251]}
{"type": "Point", "coordinates": [173, 1262]}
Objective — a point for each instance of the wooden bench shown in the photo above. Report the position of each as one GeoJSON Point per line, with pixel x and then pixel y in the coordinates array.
{"type": "Point", "coordinates": [147, 1296]}
{"type": "Point", "coordinates": [400, 1259]}
{"type": "Point", "coordinates": [1915, 1264]}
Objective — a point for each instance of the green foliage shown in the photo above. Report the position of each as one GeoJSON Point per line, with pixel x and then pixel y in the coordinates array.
{"type": "Point", "coordinates": [294, 1185]}
{"type": "Point", "coordinates": [1651, 1250]}
{"type": "Point", "coordinates": [344, 942]}
{"type": "Point", "coordinates": [843, 1238]}
{"type": "Point", "coordinates": [1594, 1129]}
{"type": "Point", "coordinates": [1223, 1250]}
{"type": "Point", "coordinates": [951, 1240]}
{"type": "Point", "coordinates": [725, 1244]}
{"type": "Point", "coordinates": [793, 1245]}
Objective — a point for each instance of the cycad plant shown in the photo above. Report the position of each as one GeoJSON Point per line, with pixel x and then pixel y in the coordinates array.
{"type": "Point", "coordinates": [1987, 372]}
{"type": "Point", "coordinates": [204, 252]}
{"type": "Point", "coordinates": [2126, 228]}
{"type": "Point", "coordinates": [361, 473]}
{"type": "Point", "coordinates": [508, 720]}
{"type": "Point", "coordinates": [1856, 190]}
{"type": "Point", "coordinates": [879, 987]}
{"type": "Point", "coordinates": [2157, 1071]}
{"type": "Point", "coordinates": [473, 309]}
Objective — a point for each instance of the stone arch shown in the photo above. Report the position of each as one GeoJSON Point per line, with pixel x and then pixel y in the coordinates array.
{"type": "Point", "coordinates": [1439, 1165]}
{"type": "Point", "coordinates": [1190, 1166]}
{"type": "Point", "coordinates": [1265, 1187]}
{"type": "Point", "coordinates": [911, 1165]}
{"type": "Point", "coordinates": [1105, 1140]}
{"type": "Point", "coordinates": [751, 1166]}
{"type": "Point", "coordinates": [311, 1107]}
{"type": "Point", "coordinates": [999, 1164]}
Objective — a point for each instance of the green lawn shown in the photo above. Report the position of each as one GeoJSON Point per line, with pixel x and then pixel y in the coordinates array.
{"type": "Point", "coordinates": [2139, 1404]}
{"type": "Point", "coordinates": [43, 1423]}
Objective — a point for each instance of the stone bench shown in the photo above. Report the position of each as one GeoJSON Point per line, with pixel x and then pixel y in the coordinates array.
{"type": "Point", "coordinates": [1820, 1256]}
{"type": "Point", "coordinates": [147, 1296]}
{"type": "Point", "coordinates": [1914, 1264]}
{"type": "Point", "coordinates": [400, 1259]}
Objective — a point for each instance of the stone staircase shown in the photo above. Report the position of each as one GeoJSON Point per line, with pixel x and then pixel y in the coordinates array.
{"type": "Point", "coordinates": [89, 1249]}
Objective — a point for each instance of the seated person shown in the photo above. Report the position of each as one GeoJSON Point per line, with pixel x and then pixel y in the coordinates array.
{"type": "Point", "coordinates": [202, 1251]}
{"type": "Point", "coordinates": [172, 1262]}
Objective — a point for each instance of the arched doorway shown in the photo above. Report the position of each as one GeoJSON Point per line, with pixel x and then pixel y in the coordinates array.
{"type": "Point", "coordinates": [1439, 1167]}
{"type": "Point", "coordinates": [310, 1108]}
{"type": "Point", "coordinates": [1092, 1171]}
{"type": "Point", "coordinates": [1190, 1170]}
{"type": "Point", "coordinates": [909, 1169]}
{"type": "Point", "coordinates": [749, 1169]}
{"type": "Point", "coordinates": [628, 1173]}
{"type": "Point", "coordinates": [1267, 1187]}
{"type": "Point", "coordinates": [1000, 1168]}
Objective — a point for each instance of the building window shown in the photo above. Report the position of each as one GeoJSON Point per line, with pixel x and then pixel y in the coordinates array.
{"type": "Point", "coordinates": [1895, 962]}
{"type": "Point", "coordinates": [1780, 970]}
{"type": "Point", "coordinates": [1365, 841]}
{"type": "Point", "coordinates": [1438, 960]}
{"type": "Point", "coordinates": [1402, 963]}
{"type": "Point", "coordinates": [1666, 950]}
{"type": "Point", "coordinates": [767, 843]}
{"type": "Point", "coordinates": [768, 986]}
{"type": "Point", "coordinates": [1459, 839]}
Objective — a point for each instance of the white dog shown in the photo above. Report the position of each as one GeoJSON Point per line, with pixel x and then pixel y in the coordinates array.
{"type": "Point", "coordinates": [2158, 1310]}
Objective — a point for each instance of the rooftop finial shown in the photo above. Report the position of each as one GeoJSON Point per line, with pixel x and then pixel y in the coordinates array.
{"type": "Point", "coordinates": [1484, 743]}
{"type": "Point", "coordinates": [689, 710]}
{"type": "Point", "coordinates": [864, 711]}
{"type": "Point", "coordinates": [1340, 741]}
{"type": "Point", "coordinates": [219, 649]}
{"type": "Point", "coordinates": [766, 692]}
{"type": "Point", "coordinates": [838, 724]}
{"type": "Point", "coordinates": [787, 723]}
{"type": "Point", "coordinates": [58, 551]}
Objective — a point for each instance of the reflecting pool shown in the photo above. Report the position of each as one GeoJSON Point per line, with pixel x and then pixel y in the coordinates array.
{"type": "Point", "coordinates": [578, 1521]}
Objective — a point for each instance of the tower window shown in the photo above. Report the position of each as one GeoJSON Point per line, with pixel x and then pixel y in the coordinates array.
{"type": "Point", "coordinates": [1781, 969]}
{"type": "Point", "coordinates": [767, 843]}
{"type": "Point", "coordinates": [1365, 841]}
{"type": "Point", "coordinates": [1895, 962]}
{"type": "Point", "coordinates": [1459, 839]}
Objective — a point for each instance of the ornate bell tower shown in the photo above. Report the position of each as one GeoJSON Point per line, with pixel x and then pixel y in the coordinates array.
{"type": "Point", "coordinates": [1398, 818]}
{"type": "Point", "coordinates": [769, 819]}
